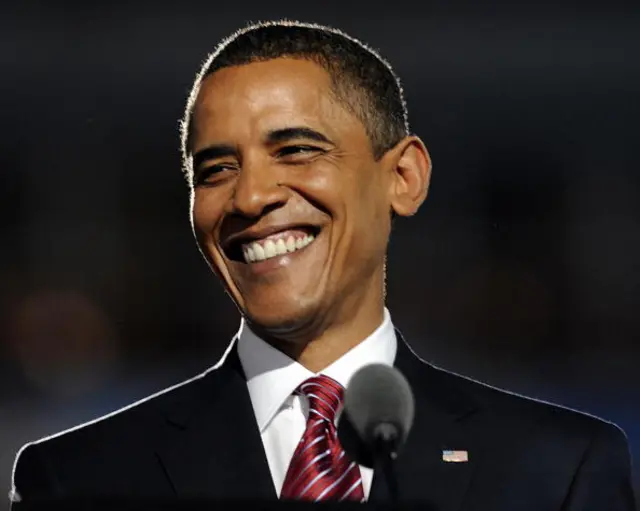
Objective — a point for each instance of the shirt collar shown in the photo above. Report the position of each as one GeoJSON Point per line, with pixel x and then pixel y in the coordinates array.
{"type": "Point", "coordinates": [272, 376]}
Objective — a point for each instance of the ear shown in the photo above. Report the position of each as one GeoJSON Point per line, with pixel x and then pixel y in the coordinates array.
{"type": "Point", "coordinates": [410, 173]}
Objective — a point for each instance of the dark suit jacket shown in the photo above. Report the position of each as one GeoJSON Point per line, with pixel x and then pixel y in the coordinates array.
{"type": "Point", "coordinates": [201, 439]}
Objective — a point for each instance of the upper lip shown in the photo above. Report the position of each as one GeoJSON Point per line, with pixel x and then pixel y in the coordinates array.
{"type": "Point", "coordinates": [253, 234]}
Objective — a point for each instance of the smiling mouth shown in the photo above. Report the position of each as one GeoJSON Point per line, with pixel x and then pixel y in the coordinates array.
{"type": "Point", "coordinates": [274, 245]}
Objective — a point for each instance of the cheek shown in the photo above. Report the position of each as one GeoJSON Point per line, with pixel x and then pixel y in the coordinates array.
{"type": "Point", "coordinates": [369, 213]}
{"type": "Point", "coordinates": [356, 199]}
{"type": "Point", "coordinates": [205, 212]}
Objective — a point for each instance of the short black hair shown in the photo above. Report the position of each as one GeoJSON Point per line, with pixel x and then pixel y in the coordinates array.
{"type": "Point", "coordinates": [361, 79]}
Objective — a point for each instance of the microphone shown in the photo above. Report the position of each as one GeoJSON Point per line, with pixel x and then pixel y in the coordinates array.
{"type": "Point", "coordinates": [377, 417]}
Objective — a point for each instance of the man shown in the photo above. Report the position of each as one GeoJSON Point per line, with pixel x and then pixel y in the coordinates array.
{"type": "Point", "coordinates": [297, 150]}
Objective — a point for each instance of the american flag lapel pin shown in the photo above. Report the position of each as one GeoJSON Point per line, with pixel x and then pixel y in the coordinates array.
{"type": "Point", "coordinates": [455, 456]}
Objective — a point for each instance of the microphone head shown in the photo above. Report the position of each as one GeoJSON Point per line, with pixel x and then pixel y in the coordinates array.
{"type": "Point", "coordinates": [377, 395]}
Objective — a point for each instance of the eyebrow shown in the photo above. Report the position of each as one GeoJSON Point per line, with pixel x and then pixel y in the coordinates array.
{"type": "Point", "coordinates": [273, 137]}
{"type": "Point", "coordinates": [212, 152]}
{"type": "Point", "coordinates": [296, 132]}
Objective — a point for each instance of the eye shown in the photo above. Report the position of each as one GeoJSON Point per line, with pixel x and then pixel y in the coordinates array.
{"type": "Point", "coordinates": [294, 150]}
{"type": "Point", "coordinates": [209, 174]}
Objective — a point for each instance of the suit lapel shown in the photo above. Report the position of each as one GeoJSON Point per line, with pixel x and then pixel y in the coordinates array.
{"type": "Point", "coordinates": [215, 449]}
{"type": "Point", "coordinates": [442, 420]}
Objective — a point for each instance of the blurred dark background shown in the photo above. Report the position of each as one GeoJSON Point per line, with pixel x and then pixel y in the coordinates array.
{"type": "Point", "coordinates": [522, 269]}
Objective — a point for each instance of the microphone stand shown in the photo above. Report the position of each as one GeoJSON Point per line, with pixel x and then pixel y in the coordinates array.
{"type": "Point", "coordinates": [386, 441]}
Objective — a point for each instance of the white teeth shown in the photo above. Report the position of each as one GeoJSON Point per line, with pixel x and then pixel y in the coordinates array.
{"type": "Point", "coordinates": [256, 252]}
{"type": "Point", "coordinates": [281, 248]}
{"type": "Point", "coordinates": [249, 254]}
{"type": "Point", "coordinates": [259, 251]}
{"type": "Point", "coordinates": [269, 249]}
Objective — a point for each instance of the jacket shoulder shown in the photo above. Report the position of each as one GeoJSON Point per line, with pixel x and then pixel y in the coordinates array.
{"type": "Point", "coordinates": [515, 408]}
{"type": "Point", "coordinates": [139, 412]}
{"type": "Point", "coordinates": [112, 438]}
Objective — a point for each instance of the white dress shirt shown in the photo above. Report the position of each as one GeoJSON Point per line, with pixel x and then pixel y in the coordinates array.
{"type": "Point", "coordinates": [272, 377]}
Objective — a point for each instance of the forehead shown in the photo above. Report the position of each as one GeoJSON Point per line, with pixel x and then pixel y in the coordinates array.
{"type": "Point", "coordinates": [247, 100]}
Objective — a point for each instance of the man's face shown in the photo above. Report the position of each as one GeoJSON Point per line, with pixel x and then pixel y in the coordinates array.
{"type": "Point", "coordinates": [289, 208]}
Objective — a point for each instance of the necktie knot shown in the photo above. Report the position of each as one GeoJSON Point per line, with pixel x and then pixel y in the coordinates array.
{"type": "Point", "coordinates": [325, 397]}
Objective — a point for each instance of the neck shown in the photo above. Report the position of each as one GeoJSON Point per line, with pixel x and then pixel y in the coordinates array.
{"type": "Point", "coordinates": [331, 335]}
{"type": "Point", "coordinates": [335, 342]}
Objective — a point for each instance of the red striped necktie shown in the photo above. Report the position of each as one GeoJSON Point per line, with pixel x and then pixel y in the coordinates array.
{"type": "Point", "coordinates": [320, 470]}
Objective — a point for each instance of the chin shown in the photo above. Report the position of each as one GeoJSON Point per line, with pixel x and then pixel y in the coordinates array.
{"type": "Point", "coordinates": [284, 319]}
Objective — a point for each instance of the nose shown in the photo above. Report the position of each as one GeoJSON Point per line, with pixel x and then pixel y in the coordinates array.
{"type": "Point", "coordinates": [256, 191]}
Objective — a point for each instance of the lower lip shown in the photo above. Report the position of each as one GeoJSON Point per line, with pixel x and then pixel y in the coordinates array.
{"type": "Point", "coordinates": [273, 263]}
